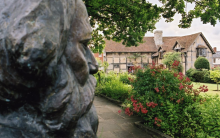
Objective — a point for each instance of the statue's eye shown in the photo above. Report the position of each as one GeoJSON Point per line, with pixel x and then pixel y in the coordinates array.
{"type": "Point", "coordinates": [84, 44]}
{"type": "Point", "coordinates": [83, 48]}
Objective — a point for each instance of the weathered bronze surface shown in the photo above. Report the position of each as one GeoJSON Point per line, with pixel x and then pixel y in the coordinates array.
{"type": "Point", "coordinates": [46, 86]}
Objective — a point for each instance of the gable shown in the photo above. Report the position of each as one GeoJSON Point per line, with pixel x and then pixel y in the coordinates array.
{"type": "Point", "coordinates": [160, 49]}
{"type": "Point", "coordinates": [201, 42]}
{"type": "Point", "coordinates": [177, 46]}
{"type": "Point", "coordinates": [183, 42]}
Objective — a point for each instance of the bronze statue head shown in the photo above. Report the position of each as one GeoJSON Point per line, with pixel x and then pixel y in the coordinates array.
{"type": "Point", "coordinates": [46, 67]}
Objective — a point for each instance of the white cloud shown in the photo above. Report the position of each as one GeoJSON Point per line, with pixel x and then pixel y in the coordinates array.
{"type": "Point", "coordinates": [212, 33]}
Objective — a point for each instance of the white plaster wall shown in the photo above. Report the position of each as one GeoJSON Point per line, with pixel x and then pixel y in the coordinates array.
{"type": "Point", "coordinates": [110, 66]}
{"type": "Point", "coordinates": [123, 66]}
{"type": "Point", "coordinates": [116, 70]}
{"type": "Point", "coordinates": [209, 56]}
{"type": "Point", "coordinates": [116, 60]}
{"type": "Point", "coordinates": [217, 61]}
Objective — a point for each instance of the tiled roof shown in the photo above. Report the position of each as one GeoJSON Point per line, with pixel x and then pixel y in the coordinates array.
{"type": "Point", "coordinates": [184, 41]}
{"type": "Point", "coordinates": [149, 44]}
{"type": "Point", "coordinates": [216, 55]}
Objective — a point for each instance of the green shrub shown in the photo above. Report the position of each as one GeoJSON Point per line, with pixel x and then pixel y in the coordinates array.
{"type": "Point", "coordinates": [199, 75]}
{"type": "Point", "coordinates": [124, 77]}
{"type": "Point", "coordinates": [100, 77]}
{"type": "Point", "coordinates": [166, 101]}
{"type": "Point", "coordinates": [201, 63]}
{"type": "Point", "coordinates": [110, 76]}
{"type": "Point", "coordinates": [207, 78]}
{"type": "Point", "coordinates": [189, 73]}
{"type": "Point", "coordinates": [209, 117]}
{"type": "Point", "coordinates": [116, 89]}
{"type": "Point", "coordinates": [215, 76]}
{"type": "Point", "coordinates": [112, 86]}
{"type": "Point", "coordinates": [195, 75]}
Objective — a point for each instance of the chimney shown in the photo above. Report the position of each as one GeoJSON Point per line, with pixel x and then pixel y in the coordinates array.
{"type": "Point", "coordinates": [215, 49]}
{"type": "Point", "coordinates": [158, 39]}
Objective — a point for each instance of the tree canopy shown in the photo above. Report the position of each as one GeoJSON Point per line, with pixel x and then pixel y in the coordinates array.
{"type": "Point", "coordinates": [129, 20]}
{"type": "Point", "coordinates": [215, 75]}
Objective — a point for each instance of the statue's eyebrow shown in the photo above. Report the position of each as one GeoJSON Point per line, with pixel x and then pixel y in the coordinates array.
{"type": "Point", "coordinates": [85, 41]}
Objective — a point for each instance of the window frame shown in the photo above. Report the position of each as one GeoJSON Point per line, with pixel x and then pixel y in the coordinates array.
{"type": "Point", "coordinates": [116, 65]}
{"type": "Point", "coordinates": [201, 52]}
{"type": "Point", "coordinates": [160, 54]}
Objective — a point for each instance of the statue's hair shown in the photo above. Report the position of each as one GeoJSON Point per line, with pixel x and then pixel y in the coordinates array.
{"type": "Point", "coordinates": [35, 70]}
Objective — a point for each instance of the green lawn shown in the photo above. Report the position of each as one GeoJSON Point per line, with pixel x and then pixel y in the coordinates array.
{"type": "Point", "coordinates": [212, 88]}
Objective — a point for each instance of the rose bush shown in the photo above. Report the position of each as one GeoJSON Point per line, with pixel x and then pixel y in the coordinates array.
{"type": "Point", "coordinates": [167, 101]}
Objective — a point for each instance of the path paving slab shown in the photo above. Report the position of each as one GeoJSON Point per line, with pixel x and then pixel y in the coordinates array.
{"type": "Point", "coordinates": [108, 126]}
{"type": "Point", "coordinates": [107, 134]}
{"type": "Point", "coordinates": [115, 125]}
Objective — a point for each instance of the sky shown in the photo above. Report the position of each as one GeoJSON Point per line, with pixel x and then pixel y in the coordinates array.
{"type": "Point", "coordinates": [212, 33]}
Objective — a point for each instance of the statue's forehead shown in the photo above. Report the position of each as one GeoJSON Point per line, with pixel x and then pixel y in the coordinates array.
{"type": "Point", "coordinates": [81, 27]}
{"type": "Point", "coordinates": [19, 18]}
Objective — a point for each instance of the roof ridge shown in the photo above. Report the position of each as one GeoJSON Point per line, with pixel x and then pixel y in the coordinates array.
{"type": "Point", "coordinates": [148, 44]}
{"type": "Point", "coordinates": [177, 36]}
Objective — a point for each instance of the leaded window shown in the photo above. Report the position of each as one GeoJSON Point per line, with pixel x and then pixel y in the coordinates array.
{"type": "Point", "coordinates": [201, 52]}
{"type": "Point", "coordinates": [116, 65]}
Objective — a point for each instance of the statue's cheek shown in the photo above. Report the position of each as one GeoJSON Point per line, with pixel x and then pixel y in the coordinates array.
{"type": "Point", "coordinates": [77, 61]}
{"type": "Point", "coordinates": [34, 62]}
{"type": "Point", "coordinates": [34, 56]}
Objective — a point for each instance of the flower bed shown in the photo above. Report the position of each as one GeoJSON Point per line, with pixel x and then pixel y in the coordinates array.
{"type": "Point", "coordinates": [151, 131]}
{"type": "Point", "coordinates": [166, 100]}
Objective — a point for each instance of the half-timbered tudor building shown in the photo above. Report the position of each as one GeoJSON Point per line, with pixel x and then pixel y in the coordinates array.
{"type": "Point", "coordinates": [121, 58]}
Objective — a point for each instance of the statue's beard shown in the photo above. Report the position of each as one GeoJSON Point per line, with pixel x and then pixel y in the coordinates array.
{"type": "Point", "coordinates": [63, 104]}
{"type": "Point", "coordinates": [59, 105]}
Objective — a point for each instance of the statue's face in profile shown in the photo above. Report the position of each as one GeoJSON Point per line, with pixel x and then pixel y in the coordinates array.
{"type": "Point", "coordinates": [80, 56]}
{"type": "Point", "coordinates": [45, 69]}
{"type": "Point", "coordinates": [35, 37]}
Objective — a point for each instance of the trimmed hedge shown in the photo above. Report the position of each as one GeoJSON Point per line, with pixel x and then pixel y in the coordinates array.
{"type": "Point", "coordinates": [201, 63]}
{"type": "Point", "coordinates": [199, 75]}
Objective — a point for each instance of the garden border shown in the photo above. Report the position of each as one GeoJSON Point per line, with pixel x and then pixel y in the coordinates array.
{"type": "Point", "coordinates": [119, 103]}
{"type": "Point", "coordinates": [154, 132]}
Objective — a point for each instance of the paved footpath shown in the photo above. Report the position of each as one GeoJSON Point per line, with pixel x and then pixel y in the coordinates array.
{"type": "Point", "coordinates": [115, 125]}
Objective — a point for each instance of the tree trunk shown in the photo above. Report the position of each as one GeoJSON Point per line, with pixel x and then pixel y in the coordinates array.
{"type": "Point", "coordinates": [217, 86]}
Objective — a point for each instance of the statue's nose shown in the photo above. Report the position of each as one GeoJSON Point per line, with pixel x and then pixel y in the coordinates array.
{"type": "Point", "coordinates": [92, 63]}
{"type": "Point", "coordinates": [93, 68]}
